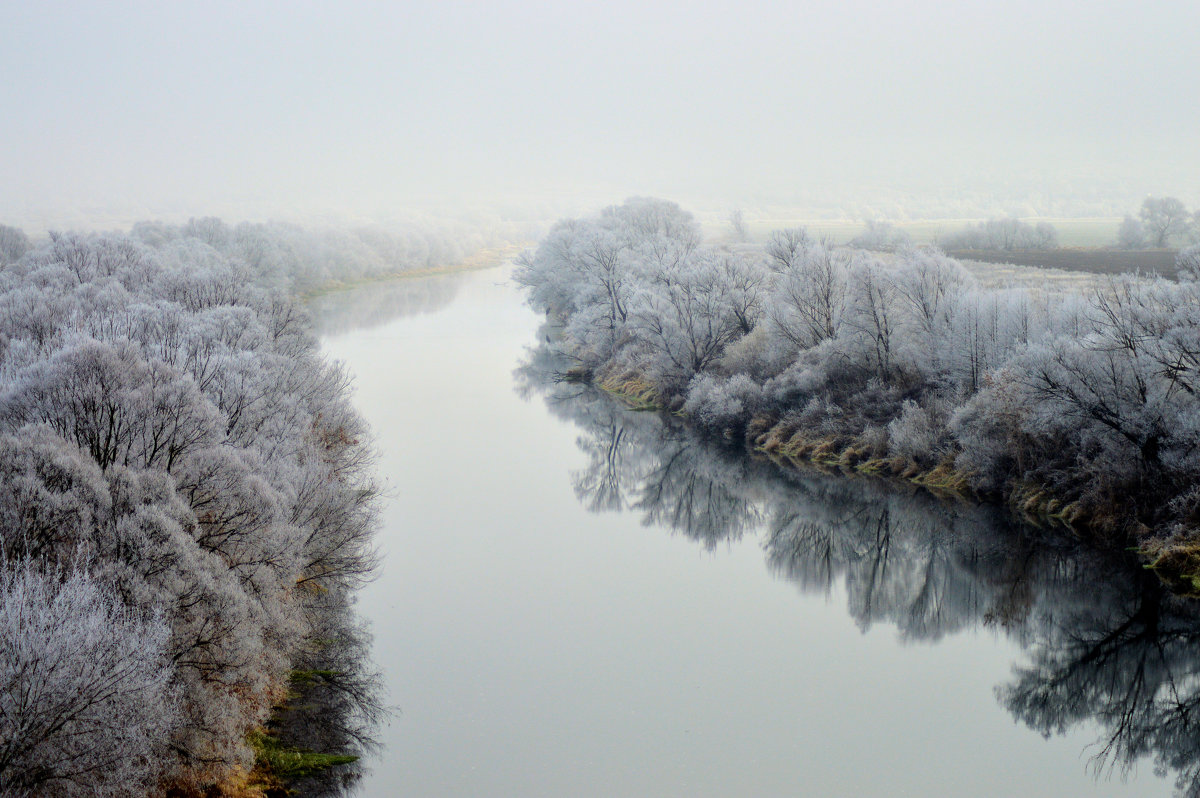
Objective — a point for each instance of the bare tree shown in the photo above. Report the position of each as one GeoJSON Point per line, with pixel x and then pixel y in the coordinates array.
{"type": "Point", "coordinates": [1164, 219]}
{"type": "Point", "coordinates": [737, 223]}
{"type": "Point", "coordinates": [13, 244]}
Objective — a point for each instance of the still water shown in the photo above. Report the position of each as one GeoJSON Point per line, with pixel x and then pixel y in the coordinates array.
{"type": "Point", "coordinates": [581, 600]}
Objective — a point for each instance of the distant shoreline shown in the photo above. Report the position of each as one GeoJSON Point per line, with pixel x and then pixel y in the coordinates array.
{"type": "Point", "coordinates": [483, 259]}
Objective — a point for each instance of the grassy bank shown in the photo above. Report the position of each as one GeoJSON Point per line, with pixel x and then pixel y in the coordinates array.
{"type": "Point", "coordinates": [1104, 523]}
{"type": "Point", "coordinates": [789, 446]}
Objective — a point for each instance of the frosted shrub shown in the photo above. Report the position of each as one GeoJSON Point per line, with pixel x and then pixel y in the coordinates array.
{"type": "Point", "coordinates": [987, 432]}
{"type": "Point", "coordinates": [1188, 263]}
{"type": "Point", "coordinates": [722, 404]}
{"type": "Point", "coordinates": [918, 434]}
{"type": "Point", "coordinates": [875, 439]}
{"type": "Point", "coordinates": [752, 354]}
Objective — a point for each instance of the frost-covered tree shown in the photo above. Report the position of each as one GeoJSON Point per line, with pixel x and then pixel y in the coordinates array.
{"type": "Point", "coordinates": [872, 318]}
{"type": "Point", "coordinates": [115, 405]}
{"type": "Point", "coordinates": [86, 697]}
{"type": "Point", "coordinates": [1164, 219]}
{"type": "Point", "coordinates": [737, 223]}
{"type": "Point", "coordinates": [1131, 234]}
{"type": "Point", "coordinates": [687, 314]}
{"type": "Point", "coordinates": [13, 244]}
{"type": "Point", "coordinates": [166, 420]}
{"type": "Point", "coordinates": [808, 287]}
{"type": "Point", "coordinates": [1003, 234]}
{"type": "Point", "coordinates": [881, 236]}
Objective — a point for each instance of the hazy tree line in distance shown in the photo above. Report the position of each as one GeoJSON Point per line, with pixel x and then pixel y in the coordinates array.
{"type": "Point", "coordinates": [186, 500]}
{"type": "Point", "coordinates": [1162, 222]}
{"type": "Point", "coordinates": [1085, 407]}
{"type": "Point", "coordinates": [992, 234]}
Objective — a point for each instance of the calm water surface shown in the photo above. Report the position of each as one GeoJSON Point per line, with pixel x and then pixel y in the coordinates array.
{"type": "Point", "coordinates": [580, 600]}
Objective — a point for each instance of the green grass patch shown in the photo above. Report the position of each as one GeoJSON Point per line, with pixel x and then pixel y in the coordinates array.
{"type": "Point", "coordinates": [285, 763]}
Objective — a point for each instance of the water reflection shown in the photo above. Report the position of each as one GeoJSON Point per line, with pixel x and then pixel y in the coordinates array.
{"type": "Point", "coordinates": [334, 705]}
{"type": "Point", "coordinates": [377, 303]}
{"type": "Point", "coordinates": [1102, 642]}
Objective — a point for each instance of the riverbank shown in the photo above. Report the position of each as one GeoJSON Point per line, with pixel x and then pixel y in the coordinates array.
{"type": "Point", "coordinates": [790, 446]}
{"type": "Point", "coordinates": [1073, 405]}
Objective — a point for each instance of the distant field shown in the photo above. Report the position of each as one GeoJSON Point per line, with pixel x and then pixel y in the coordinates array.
{"type": "Point", "coordinates": [1090, 232]}
{"type": "Point", "coordinates": [1096, 261]}
{"type": "Point", "coordinates": [1084, 243]}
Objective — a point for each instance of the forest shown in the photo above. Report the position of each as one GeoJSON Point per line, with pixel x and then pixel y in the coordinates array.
{"type": "Point", "coordinates": [187, 506]}
{"type": "Point", "coordinates": [1077, 407]}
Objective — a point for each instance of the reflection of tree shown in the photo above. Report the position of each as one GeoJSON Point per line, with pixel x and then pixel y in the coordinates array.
{"type": "Point", "coordinates": [380, 302]}
{"type": "Point", "coordinates": [1104, 642]}
{"type": "Point", "coordinates": [1128, 662]}
{"type": "Point", "coordinates": [696, 496]}
{"type": "Point", "coordinates": [333, 706]}
{"type": "Point", "coordinates": [636, 461]}
{"type": "Point", "coordinates": [900, 555]}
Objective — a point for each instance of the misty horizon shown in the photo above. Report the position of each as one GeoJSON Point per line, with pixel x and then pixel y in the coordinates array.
{"type": "Point", "coordinates": [309, 112]}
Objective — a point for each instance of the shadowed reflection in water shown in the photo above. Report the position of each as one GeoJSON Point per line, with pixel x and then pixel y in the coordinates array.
{"type": "Point", "coordinates": [1102, 641]}
{"type": "Point", "coordinates": [317, 739]}
{"type": "Point", "coordinates": [334, 704]}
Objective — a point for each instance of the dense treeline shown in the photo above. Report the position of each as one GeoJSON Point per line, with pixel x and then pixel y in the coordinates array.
{"type": "Point", "coordinates": [186, 505]}
{"type": "Point", "coordinates": [1003, 234]}
{"type": "Point", "coordinates": [1105, 646]}
{"type": "Point", "coordinates": [1082, 406]}
{"type": "Point", "coordinates": [296, 259]}
{"type": "Point", "coordinates": [300, 259]}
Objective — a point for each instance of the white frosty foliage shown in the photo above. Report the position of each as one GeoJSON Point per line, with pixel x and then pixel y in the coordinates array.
{"type": "Point", "coordinates": [1094, 395]}
{"type": "Point", "coordinates": [165, 418]}
{"type": "Point", "coordinates": [86, 703]}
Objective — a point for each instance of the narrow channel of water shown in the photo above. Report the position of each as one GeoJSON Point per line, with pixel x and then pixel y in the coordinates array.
{"type": "Point", "coordinates": [580, 600]}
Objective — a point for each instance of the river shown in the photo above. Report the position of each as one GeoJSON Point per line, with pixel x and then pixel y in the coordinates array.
{"type": "Point", "coordinates": [581, 600]}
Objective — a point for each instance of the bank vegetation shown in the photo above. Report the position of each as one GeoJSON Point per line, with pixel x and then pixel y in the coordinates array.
{"type": "Point", "coordinates": [187, 506]}
{"type": "Point", "coordinates": [1081, 407]}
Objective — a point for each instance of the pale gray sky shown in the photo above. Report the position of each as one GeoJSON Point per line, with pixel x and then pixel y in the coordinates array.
{"type": "Point", "coordinates": [161, 109]}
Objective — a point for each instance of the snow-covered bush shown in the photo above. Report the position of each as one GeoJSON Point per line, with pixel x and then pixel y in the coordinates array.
{"type": "Point", "coordinates": [722, 404]}
{"type": "Point", "coordinates": [918, 434]}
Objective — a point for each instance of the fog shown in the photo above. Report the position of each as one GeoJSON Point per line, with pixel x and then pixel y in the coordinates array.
{"type": "Point", "coordinates": [304, 110]}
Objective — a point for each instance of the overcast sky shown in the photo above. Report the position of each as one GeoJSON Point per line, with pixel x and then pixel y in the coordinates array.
{"type": "Point", "coordinates": [168, 108]}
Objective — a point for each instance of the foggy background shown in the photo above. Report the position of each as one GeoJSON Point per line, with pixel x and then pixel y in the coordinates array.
{"type": "Point", "coordinates": [121, 111]}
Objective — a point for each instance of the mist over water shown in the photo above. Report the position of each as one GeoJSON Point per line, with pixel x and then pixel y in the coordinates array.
{"type": "Point", "coordinates": [580, 599]}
